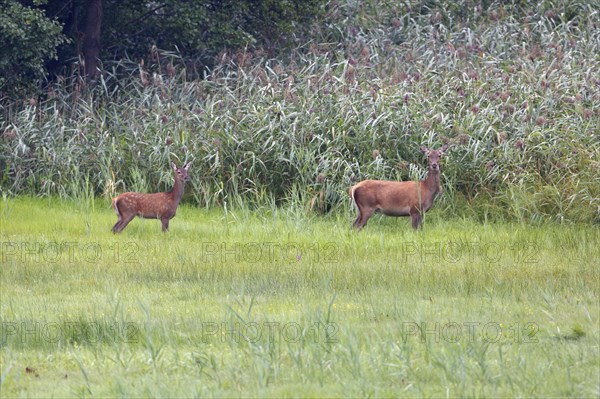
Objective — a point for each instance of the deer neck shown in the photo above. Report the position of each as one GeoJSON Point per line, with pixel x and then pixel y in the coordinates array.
{"type": "Point", "coordinates": [177, 191]}
{"type": "Point", "coordinates": [432, 182]}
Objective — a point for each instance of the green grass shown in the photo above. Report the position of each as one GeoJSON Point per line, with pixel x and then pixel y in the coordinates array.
{"type": "Point", "coordinates": [277, 303]}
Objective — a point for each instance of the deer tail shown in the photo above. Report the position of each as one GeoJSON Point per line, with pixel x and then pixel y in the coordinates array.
{"type": "Point", "coordinates": [352, 193]}
{"type": "Point", "coordinates": [115, 206]}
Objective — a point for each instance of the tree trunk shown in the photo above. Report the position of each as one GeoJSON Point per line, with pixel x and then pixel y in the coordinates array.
{"type": "Point", "coordinates": [91, 40]}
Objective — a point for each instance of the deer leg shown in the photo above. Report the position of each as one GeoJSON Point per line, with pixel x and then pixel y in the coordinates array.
{"type": "Point", "coordinates": [417, 221]}
{"type": "Point", "coordinates": [364, 218]}
{"type": "Point", "coordinates": [115, 227]}
{"type": "Point", "coordinates": [122, 224]}
{"type": "Point", "coordinates": [165, 224]}
{"type": "Point", "coordinates": [359, 212]}
{"type": "Point", "coordinates": [358, 216]}
{"type": "Point", "coordinates": [120, 219]}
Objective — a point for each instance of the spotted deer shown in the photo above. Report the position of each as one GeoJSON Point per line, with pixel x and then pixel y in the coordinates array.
{"type": "Point", "coordinates": [151, 206]}
{"type": "Point", "coordinates": [395, 198]}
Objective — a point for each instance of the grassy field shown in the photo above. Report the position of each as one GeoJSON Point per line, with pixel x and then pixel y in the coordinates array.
{"type": "Point", "coordinates": [273, 302]}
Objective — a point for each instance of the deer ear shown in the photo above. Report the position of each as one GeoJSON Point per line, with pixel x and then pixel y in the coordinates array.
{"type": "Point", "coordinates": [187, 166]}
{"type": "Point", "coordinates": [174, 166]}
{"type": "Point", "coordinates": [424, 149]}
{"type": "Point", "coordinates": [444, 148]}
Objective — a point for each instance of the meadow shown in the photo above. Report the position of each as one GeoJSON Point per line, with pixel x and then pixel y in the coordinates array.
{"type": "Point", "coordinates": [280, 302]}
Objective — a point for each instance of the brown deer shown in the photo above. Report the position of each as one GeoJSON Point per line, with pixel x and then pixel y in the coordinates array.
{"type": "Point", "coordinates": [399, 198]}
{"type": "Point", "coordinates": [151, 206]}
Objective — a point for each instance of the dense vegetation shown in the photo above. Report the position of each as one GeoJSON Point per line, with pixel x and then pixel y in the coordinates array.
{"type": "Point", "coordinates": [513, 86]}
{"type": "Point", "coordinates": [47, 38]}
